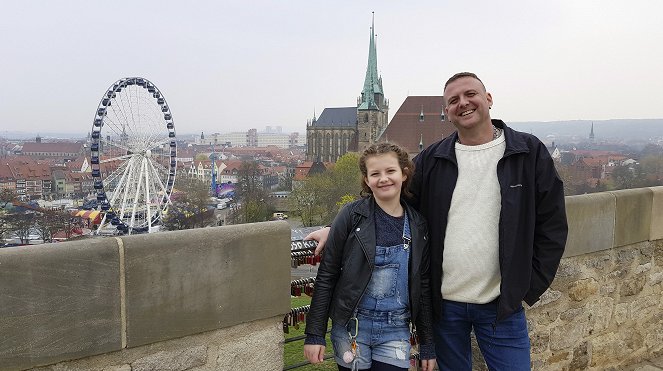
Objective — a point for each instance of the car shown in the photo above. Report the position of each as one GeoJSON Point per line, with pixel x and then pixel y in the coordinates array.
{"type": "Point", "coordinates": [279, 216]}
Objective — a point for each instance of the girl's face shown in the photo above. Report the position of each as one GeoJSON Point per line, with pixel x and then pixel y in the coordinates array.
{"type": "Point", "coordinates": [384, 176]}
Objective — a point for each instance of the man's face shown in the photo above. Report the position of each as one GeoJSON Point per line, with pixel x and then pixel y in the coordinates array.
{"type": "Point", "coordinates": [467, 104]}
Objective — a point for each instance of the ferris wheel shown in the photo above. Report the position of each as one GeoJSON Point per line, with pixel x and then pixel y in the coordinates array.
{"type": "Point", "coordinates": [132, 156]}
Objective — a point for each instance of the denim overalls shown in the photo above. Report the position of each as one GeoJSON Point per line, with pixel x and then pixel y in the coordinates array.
{"type": "Point", "coordinates": [383, 313]}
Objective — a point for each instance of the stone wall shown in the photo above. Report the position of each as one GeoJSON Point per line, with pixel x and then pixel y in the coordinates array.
{"type": "Point", "coordinates": [203, 299]}
{"type": "Point", "coordinates": [604, 310]}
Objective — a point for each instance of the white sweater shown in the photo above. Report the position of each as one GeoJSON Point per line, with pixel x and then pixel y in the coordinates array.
{"type": "Point", "coordinates": [470, 269]}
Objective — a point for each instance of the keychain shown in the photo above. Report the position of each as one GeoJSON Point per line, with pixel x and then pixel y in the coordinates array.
{"type": "Point", "coordinates": [350, 356]}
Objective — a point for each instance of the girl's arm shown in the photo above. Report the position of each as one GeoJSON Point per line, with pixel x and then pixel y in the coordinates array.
{"type": "Point", "coordinates": [328, 274]}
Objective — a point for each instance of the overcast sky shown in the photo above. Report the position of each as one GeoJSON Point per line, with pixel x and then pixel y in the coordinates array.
{"type": "Point", "coordinates": [231, 66]}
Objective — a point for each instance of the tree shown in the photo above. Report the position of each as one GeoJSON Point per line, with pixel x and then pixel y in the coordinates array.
{"type": "Point", "coordinates": [321, 196]}
{"type": "Point", "coordinates": [50, 222]}
{"type": "Point", "coordinates": [190, 207]}
{"type": "Point", "coordinates": [23, 225]}
{"type": "Point", "coordinates": [6, 196]}
{"type": "Point", "coordinates": [347, 179]}
{"type": "Point", "coordinates": [652, 170]}
{"type": "Point", "coordinates": [624, 177]}
{"type": "Point", "coordinates": [252, 195]}
{"type": "Point", "coordinates": [5, 224]}
{"type": "Point", "coordinates": [307, 201]}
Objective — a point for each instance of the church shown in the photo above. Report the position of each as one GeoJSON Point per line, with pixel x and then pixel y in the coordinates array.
{"type": "Point", "coordinates": [419, 122]}
{"type": "Point", "coordinates": [343, 129]}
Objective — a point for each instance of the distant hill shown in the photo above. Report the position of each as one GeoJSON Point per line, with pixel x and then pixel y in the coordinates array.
{"type": "Point", "coordinates": [626, 129]}
{"type": "Point", "coordinates": [27, 135]}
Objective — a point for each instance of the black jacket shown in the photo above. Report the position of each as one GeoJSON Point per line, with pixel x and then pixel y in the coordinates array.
{"type": "Point", "coordinates": [532, 225]}
{"type": "Point", "coordinates": [347, 265]}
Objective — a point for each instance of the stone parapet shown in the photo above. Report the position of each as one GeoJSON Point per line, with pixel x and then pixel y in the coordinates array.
{"type": "Point", "coordinates": [657, 214]}
{"type": "Point", "coordinates": [126, 297]}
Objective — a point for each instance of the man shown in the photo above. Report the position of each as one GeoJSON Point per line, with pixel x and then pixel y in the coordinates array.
{"type": "Point", "coordinates": [495, 210]}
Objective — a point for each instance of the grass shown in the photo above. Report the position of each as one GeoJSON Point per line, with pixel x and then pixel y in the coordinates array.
{"type": "Point", "coordinates": [294, 352]}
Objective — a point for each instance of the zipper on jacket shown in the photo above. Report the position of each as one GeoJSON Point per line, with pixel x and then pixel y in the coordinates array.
{"type": "Point", "coordinates": [370, 267]}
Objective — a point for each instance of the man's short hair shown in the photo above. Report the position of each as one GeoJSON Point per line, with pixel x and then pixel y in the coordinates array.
{"type": "Point", "coordinates": [460, 75]}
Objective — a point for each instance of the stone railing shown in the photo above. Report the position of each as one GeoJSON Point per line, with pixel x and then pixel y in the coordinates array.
{"type": "Point", "coordinates": [210, 298]}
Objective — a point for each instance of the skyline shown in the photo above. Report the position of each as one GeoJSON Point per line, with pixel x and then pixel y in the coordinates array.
{"type": "Point", "coordinates": [232, 67]}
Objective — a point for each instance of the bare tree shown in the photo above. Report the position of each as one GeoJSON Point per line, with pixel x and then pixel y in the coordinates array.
{"type": "Point", "coordinates": [191, 207]}
{"type": "Point", "coordinates": [23, 225]}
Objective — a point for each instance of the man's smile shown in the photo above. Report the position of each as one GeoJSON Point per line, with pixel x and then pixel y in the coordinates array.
{"type": "Point", "coordinates": [467, 112]}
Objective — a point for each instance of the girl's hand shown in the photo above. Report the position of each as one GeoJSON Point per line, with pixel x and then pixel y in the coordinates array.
{"type": "Point", "coordinates": [316, 353]}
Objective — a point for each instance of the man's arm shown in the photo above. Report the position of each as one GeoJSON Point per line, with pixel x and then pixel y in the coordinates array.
{"type": "Point", "coordinates": [321, 237]}
{"type": "Point", "coordinates": [551, 227]}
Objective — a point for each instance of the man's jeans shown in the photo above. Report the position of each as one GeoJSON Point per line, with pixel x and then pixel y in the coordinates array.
{"type": "Point", "coordinates": [504, 345]}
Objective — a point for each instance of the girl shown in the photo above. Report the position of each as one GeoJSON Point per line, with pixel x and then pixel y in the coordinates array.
{"type": "Point", "coordinates": [374, 275]}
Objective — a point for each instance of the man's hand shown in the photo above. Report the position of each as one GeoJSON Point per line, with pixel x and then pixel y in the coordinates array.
{"type": "Point", "coordinates": [321, 237]}
{"type": "Point", "coordinates": [427, 364]}
{"type": "Point", "coordinates": [316, 353]}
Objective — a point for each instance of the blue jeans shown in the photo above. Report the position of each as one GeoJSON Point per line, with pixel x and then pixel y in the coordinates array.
{"type": "Point", "coordinates": [504, 345]}
{"type": "Point", "coordinates": [381, 336]}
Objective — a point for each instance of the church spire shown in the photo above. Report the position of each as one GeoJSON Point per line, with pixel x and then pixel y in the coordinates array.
{"type": "Point", "coordinates": [591, 133]}
{"type": "Point", "coordinates": [372, 82]}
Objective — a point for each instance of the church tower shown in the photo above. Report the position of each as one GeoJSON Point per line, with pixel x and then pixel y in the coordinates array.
{"type": "Point", "coordinates": [372, 107]}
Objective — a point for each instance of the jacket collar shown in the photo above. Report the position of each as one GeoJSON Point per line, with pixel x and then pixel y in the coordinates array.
{"type": "Point", "coordinates": [514, 143]}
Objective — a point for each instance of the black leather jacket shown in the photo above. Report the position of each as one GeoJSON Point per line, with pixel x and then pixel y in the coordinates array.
{"type": "Point", "coordinates": [347, 265]}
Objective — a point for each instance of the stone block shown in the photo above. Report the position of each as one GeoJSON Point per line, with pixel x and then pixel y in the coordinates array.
{"type": "Point", "coordinates": [557, 357]}
{"type": "Point", "coordinates": [656, 278]}
{"type": "Point", "coordinates": [549, 296]}
{"type": "Point", "coordinates": [59, 302]}
{"type": "Point", "coordinates": [566, 336]}
{"type": "Point", "coordinates": [599, 262]}
{"type": "Point", "coordinates": [186, 282]}
{"type": "Point", "coordinates": [539, 341]}
{"type": "Point", "coordinates": [642, 268]}
{"type": "Point", "coordinates": [658, 252]}
{"type": "Point", "coordinates": [582, 356]}
{"type": "Point", "coordinates": [582, 289]}
{"type": "Point", "coordinates": [608, 288]}
{"type": "Point", "coordinates": [633, 285]}
{"type": "Point", "coordinates": [622, 313]}
{"type": "Point", "coordinates": [568, 268]}
{"type": "Point", "coordinates": [633, 215]}
{"type": "Point", "coordinates": [599, 314]}
{"type": "Point", "coordinates": [572, 314]}
{"type": "Point", "coordinates": [607, 350]}
{"type": "Point", "coordinates": [173, 360]}
{"type": "Point", "coordinates": [657, 214]}
{"type": "Point", "coordinates": [591, 221]}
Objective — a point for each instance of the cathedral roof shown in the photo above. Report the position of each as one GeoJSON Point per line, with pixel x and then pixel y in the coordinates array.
{"type": "Point", "coordinates": [418, 120]}
{"type": "Point", "coordinates": [337, 117]}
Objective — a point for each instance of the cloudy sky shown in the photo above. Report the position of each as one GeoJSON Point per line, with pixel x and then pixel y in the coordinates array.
{"type": "Point", "coordinates": [231, 66]}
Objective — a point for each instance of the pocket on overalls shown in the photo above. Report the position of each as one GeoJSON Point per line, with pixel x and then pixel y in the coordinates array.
{"type": "Point", "coordinates": [383, 281]}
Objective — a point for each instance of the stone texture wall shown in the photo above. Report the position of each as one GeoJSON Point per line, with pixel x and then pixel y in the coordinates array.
{"type": "Point", "coordinates": [198, 299]}
{"type": "Point", "coordinates": [256, 345]}
{"type": "Point", "coordinates": [604, 310]}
